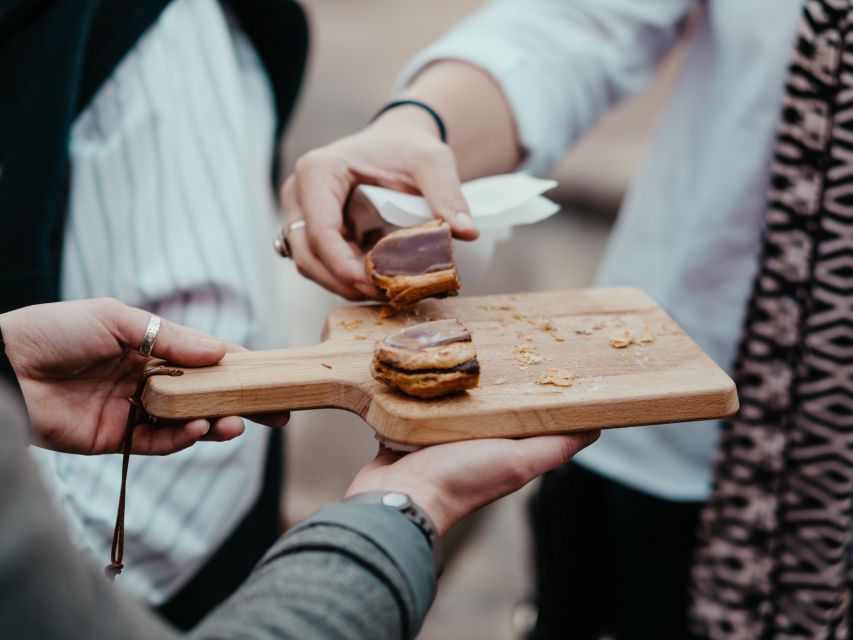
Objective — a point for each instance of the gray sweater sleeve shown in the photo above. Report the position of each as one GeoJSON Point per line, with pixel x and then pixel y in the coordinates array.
{"type": "Point", "coordinates": [351, 571]}
{"type": "Point", "coordinates": [47, 589]}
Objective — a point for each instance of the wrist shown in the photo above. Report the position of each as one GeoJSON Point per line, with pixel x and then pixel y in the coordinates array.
{"type": "Point", "coordinates": [412, 511]}
{"type": "Point", "coordinates": [428, 499]}
{"type": "Point", "coordinates": [406, 118]}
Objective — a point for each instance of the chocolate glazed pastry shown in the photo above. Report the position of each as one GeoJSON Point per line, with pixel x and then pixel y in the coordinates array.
{"type": "Point", "coordinates": [428, 360]}
{"type": "Point", "coordinates": [415, 263]}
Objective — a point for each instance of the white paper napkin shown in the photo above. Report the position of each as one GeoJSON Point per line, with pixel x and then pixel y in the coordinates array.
{"type": "Point", "coordinates": [496, 202]}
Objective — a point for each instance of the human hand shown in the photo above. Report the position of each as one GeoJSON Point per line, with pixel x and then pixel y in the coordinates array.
{"type": "Point", "coordinates": [401, 150]}
{"type": "Point", "coordinates": [78, 363]}
{"type": "Point", "coordinates": [450, 481]}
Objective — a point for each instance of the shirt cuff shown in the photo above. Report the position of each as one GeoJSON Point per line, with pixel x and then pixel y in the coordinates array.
{"type": "Point", "coordinates": [518, 74]}
{"type": "Point", "coordinates": [395, 536]}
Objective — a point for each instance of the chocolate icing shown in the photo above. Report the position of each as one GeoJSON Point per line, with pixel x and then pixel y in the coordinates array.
{"type": "Point", "coordinates": [412, 254]}
{"type": "Point", "coordinates": [428, 334]}
{"type": "Point", "coordinates": [471, 366]}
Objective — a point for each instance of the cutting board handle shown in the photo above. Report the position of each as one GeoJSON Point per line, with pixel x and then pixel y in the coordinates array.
{"type": "Point", "coordinates": [325, 375]}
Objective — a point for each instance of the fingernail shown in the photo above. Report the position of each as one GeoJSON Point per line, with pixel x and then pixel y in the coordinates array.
{"type": "Point", "coordinates": [364, 289]}
{"type": "Point", "coordinates": [206, 429]}
{"type": "Point", "coordinates": [358, 271]}
{"type": "Point", "coordinates": [463, 221]}
{"type": "Point", "coordinates": [209, 344]}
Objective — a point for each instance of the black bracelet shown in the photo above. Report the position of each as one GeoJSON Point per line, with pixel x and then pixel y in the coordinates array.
{"type": "Point", "coordinates": [442, 130]}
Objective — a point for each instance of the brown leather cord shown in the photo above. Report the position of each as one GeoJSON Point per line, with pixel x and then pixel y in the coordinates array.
{"type": "Point", "coordinates": [135, 415]}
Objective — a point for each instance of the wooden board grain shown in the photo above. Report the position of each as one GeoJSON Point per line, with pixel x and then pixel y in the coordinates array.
{"type": "Point", "coordinates": [668, 380]}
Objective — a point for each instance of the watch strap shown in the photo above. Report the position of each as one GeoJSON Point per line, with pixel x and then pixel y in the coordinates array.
{"type": "Point", "coordinates": [403, 503]}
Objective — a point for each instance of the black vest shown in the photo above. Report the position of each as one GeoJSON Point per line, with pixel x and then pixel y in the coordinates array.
{"type": "Point", "coordinates": [54, 55]}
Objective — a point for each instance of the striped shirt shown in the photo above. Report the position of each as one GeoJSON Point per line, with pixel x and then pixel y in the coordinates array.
{"type": "Point", "coordinates": [171, 210]}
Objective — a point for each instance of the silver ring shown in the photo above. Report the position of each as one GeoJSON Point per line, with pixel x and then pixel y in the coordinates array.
{"type": "Point", "coordinates": [282, 246]}
{"type": "Point", "coordinates": [150, 336]}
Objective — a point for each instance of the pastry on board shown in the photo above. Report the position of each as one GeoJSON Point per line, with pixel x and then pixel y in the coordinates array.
{"type": "Point", "coordinates": [415, 263]}
{"type": "Point", "coordinates": [428, 360]}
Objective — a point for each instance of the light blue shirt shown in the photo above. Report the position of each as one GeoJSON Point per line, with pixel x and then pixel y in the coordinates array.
{"type": "Point", "coordinates": [689, 231]}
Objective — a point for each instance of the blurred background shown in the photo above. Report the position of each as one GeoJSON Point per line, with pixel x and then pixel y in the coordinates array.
{"type": "Point", "coordinates": [357, 50]}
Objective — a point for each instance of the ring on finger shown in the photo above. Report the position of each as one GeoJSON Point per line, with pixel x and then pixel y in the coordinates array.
{"type": "Point", "coordinates": [281, 244]}
{"type": "Point", "coordinates": [147, 344]}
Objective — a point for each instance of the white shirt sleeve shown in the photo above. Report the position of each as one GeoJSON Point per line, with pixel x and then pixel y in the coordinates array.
{"type": "Point", "coordinates": [560, 63]}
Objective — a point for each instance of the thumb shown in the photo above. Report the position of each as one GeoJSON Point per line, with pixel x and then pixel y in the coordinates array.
{"type": "Point", "coordinates": [174, 342]}
{"type": "Point", "coordinates": [438, 180]}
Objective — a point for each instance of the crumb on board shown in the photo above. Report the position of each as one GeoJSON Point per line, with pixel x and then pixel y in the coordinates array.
{"type": "Point", "coordinates": [556, 378]}
{"type": "Point", "coordinates": [323, 364]}
{"type": "Point", "coordinates": [527, 354]}
{"type": "Point", "coordinates": [546, 325]}
{"type": "Point", "coordinates": [503, 320]}
{"type": "Point", "coordinates": [621, 339]}
{"type": "Point", "coordinates": [495, 307]}
{"type": "Point", "coordinates": [647, 337]}
{"type": "Point", "coordinates": [625, 338]}
{"type": "Point", "coordinates": [500, 381]}
{"type": "Point", "coordinates": [361, 336]}
{"type": "Point", "coordinates": [349, 325]}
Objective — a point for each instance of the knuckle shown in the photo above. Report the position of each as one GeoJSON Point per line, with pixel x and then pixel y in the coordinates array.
{"type": "Point", "coordinates": [303, 270]}
{"type": "Point", "coordinates": [518, 469]}
{"type": "Point", "coordinates": [314, 159]}
{"type": "Point", "coordinates": [110, 306]}
{"type": "Point", "coordinates": [431, 153]}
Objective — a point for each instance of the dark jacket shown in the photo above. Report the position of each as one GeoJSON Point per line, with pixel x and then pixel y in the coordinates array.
{"type": "Point", "coordinates": [54, 55]}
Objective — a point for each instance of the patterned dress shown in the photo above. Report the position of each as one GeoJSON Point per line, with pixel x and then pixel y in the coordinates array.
{"type": "Point", "coordinates": [776, 534]}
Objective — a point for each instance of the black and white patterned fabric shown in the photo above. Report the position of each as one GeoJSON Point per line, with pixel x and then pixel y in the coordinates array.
{"type": "Point", "coordinates": [776, 534]}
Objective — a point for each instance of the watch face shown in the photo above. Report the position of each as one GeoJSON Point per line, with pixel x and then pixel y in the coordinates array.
{"type": "Point", "coordinates": [396, 500]}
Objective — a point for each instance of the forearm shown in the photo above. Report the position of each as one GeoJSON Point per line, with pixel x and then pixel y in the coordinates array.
{"type": "Point", "coordinates": [480, 127]}
{"type": "Point", "coordinates": [557, 65]}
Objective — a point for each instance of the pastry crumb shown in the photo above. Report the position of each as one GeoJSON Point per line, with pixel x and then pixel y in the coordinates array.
{"type": "Point", "coordinates": [500, 381]}
{"type": "Point", "coordinates": [323, 364]}
{"type": "Point", "coordinates": [546, 325]}
{"type": "Point", "coordinates": [647, 337]}
{"type": "Point", "coordinates": [349, 325]}
{"type": "Point", "coordinates": [527, 354]}
{"type": "Point", "coordinates": [361, 337]}
{"type": "Point", "coordinates": [625, 338]}
{"type": "Point", "coordinates": [621, 339]}
{"type": "Point", "coordinates": [556, 378]}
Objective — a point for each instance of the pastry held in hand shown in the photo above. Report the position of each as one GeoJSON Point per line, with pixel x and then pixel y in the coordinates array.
{"type": "Point", "coordinates": [415, 263]}
{"type": "Point", "coordinates": [428, 360]}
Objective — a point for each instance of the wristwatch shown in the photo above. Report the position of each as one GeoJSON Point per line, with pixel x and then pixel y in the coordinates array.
{"type": "Point", "coordinates": [405, 505]}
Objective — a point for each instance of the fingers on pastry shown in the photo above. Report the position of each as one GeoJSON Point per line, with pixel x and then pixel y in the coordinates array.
{"type": "Point", "coordinates": [414, 263]}
{"type": "Point", "coordinates": [428, 360]}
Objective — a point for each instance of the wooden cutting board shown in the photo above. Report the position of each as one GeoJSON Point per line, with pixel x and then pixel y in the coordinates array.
{"type": "Point", "coordinates": [667, 380]}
